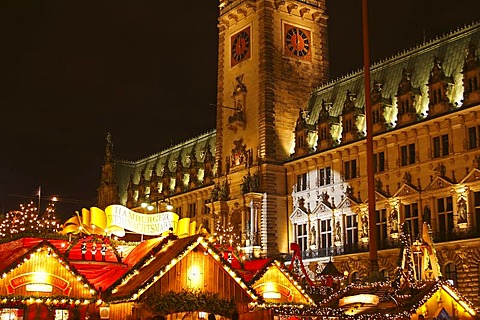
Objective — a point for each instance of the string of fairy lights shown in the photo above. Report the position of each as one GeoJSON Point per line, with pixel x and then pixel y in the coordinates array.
{"type": "Point", "coordinates": [224, 239]}
{"type": "Point", "coordinates": [28, 220]}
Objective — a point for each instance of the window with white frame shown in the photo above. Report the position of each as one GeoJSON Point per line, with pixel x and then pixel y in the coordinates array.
{"type": "Point", "coordinates": [326, 233]}
{"type": "Point", "coordinates": [410, 212]}
{"type": "Point", "coordinates": [445, 216]}
{"type": "Point", "coordinates": [302, 182]}
{"type": "Point", "coordinates": [351, 229]}
{"type": "Point", "coordinates": [381, 225]}
{"type": "Point", "coordinates": [302, 236]}
{"type": "Point", "coordinates": [324, 176]}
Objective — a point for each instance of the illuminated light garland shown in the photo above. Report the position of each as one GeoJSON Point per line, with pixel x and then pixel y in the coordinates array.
{"type": "Point", "coordinates": [46, 247]}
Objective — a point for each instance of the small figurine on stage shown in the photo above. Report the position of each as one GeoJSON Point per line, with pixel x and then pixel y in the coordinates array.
{"type": "Point", "coordinates": [84, 250]}
{"type": "Point", "coordinates": [103, 250]}
{"type": "Point", "coordinates": [94, 250]}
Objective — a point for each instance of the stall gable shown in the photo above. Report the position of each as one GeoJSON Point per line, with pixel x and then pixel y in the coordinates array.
{"type": "Point", "coordinates": [277, 287]}
{"type": "Point", "coordinates": [198, 271]}
{"type": "Point", "coordinates": [43, 271]}
{"type": "Point", "coordinates": [183, 264]}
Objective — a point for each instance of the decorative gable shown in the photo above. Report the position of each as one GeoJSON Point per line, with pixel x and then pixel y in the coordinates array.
{"type": "Point", "coordinates": [472, 176]}
{"type": "Point", "coordinates": [285, 289]}
{"type": "Point", "coordinates": [322, 208]}
{"type": "Point", "coordinates": [347, 202]}
{"type": "Point", "coordinates": [406, 190]}
{"type": "Point", "coordinates": [43, 265]}
{"type": "Point", "coordinates": [438, 183]}
{"type": "Point", "coordinates": [298, 215]}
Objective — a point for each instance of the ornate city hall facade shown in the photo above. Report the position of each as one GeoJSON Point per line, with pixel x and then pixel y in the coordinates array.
{"type": "Point", "coordinates": [287, 160]}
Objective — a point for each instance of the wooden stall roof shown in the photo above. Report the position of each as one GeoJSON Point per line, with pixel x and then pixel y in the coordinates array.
{"type": "Point", "coordinates": [390, 303]}
{"type": "Point", "coordinates": [15, 254]}
{"type": "Point", "coordinates": [250, 268]}
{"type": "Point", "coordinates": [155, 261]}
{"type": "Point", "coordinates": [282, 277]}
{"type": "Point", "coordinates": [100, 274]}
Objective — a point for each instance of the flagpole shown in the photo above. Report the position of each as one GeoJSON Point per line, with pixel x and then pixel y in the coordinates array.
{"type": "Point", "coordinates": [372, 223]}
{"type": "Point", "coordinates": [39, 197]}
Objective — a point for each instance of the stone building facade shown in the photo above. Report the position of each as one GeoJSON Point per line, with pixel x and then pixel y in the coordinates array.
{"type": "Point", "coordinates": [286, 164]}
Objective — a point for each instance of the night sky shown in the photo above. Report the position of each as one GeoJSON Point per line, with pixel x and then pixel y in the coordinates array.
{"type": "Point", "coordinates": [144, 70]}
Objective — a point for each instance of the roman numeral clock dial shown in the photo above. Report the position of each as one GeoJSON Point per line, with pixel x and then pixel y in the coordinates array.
{"type": "Point", "coordinates": [240, 49]}
{"type": "Point", "coordinates": [297, 42]}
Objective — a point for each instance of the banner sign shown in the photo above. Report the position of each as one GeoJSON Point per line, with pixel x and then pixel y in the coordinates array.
{"type": "Point", "coordinates": [148, 224]}
{"type": "Point", "coordinates": [117, 218]}
{"type": "Point", "coordinates": [38, 278]}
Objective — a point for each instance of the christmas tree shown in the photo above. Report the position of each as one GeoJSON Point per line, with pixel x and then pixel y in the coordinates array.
{"type": "Point", "coordinates": [27, 221]}
{"type": "Point", "coordinates": [49, 222]}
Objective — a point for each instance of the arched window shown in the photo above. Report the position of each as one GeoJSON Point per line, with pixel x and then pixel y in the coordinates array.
{"type": "Point", "coordinates": [450, 272]}
{"type": "Point", "coordinates": [355, 277]}
{"type": "Point", "coordinates": [384, 273]}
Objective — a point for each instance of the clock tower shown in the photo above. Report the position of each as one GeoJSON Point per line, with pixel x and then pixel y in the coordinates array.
{"type": "Point", "coordinates": [271, 55]}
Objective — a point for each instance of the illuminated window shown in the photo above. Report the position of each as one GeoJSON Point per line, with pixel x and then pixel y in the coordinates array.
{"type": "Point", "coordinates": [445, 217]}
{"type": "Point", "coordinates": [381, 226]}
{"type": "Point", "coordinates": [324, 176]}
{"type": "Point", "coordinates": [411, 218]}
{"type": "Point", "coordinates": [302, 182]}
{"type": "Point", "coordinates": [11, 313]}
{"type": "Point", "coordinates": [440, 146]}
{"type": "Point", "coordinates": [407, 154]}
{"type": "Point", "coordinates": [61, 314]}
{"type": "Point", "coordinates": [351, 226]}
{"type": "Point", "coordinates": [326, 233]}
{"type": "Point", "coordinates": [302, 236]}
{"type": "Point", "coordinates": [450, 273]}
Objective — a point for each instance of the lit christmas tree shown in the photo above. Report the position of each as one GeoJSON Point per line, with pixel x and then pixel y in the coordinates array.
{"type": "Point", "coordinates": [9, 225]}
{"type": "Point", "coordinates": [49, 222]}
{"type": "Point", "coordinates": [227, 241]}
{"type": "Point", "coordinates": [27, 221]}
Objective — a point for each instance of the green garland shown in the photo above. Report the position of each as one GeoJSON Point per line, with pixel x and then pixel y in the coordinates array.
{"type": "Point", "coordinates": [187, 301]}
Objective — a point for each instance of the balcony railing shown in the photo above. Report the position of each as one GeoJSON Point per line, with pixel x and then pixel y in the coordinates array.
{"type": "Point", "coordinates": [343, 249]}
{"type": "Point", "coordinates": [456, 234]}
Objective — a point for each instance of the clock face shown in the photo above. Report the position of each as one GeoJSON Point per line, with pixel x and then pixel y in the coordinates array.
{"type": "Point", "coordinates": [297, 42]}
{"type": "Point", "coordinates": [240, 46]}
